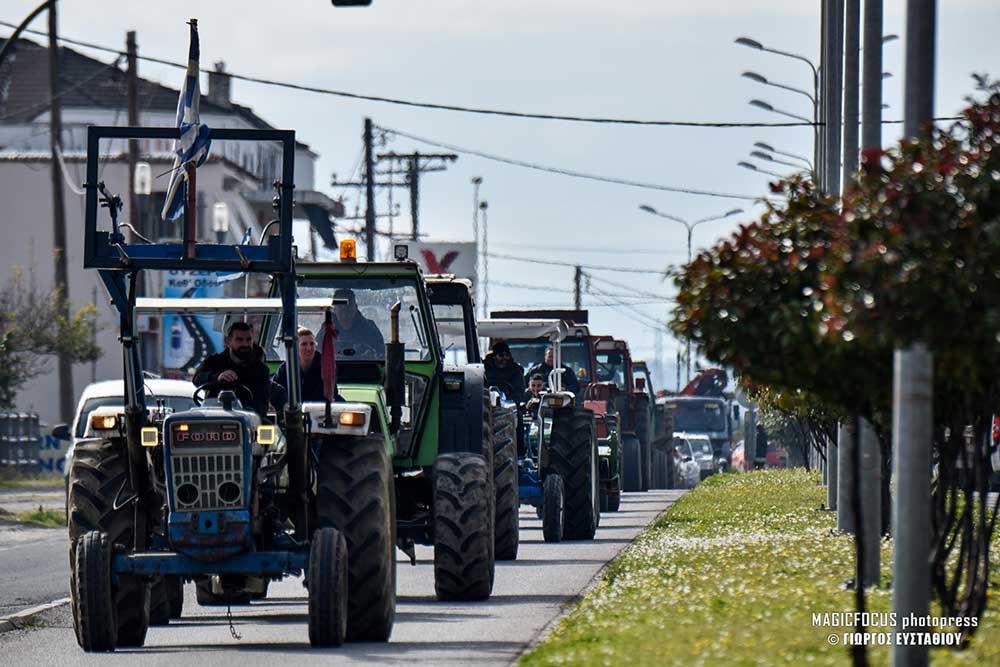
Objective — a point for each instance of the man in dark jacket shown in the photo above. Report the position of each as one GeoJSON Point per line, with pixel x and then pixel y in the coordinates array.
{"type": "Point", "coordinates": [569, 380]}
{"type": "Point", "coordinates": [310, 369]}
{"type": "Point", "coordinates": [503, 372]}
{"type": "Point", "coordinates": [356, 334]}
{"type": "Point", "coordinates": [242, 362]}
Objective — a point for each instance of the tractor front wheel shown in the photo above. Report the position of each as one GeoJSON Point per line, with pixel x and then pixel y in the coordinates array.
{"type": "Point", "coordinates": [92, 593]}
{"type": "Point", "coordinates": [573, 456]}
{"type": "Point", "coordinates": [328, 588]}
{"type": "Point", "coordinates": [463, 527]}
{"type": "Point", "coordinates": [553, 508]}
{"type": "Point", "coordinates": [506, 522]}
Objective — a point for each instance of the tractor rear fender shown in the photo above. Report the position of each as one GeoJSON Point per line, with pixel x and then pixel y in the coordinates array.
{"type": "Point", "coordinates": [461, 422]}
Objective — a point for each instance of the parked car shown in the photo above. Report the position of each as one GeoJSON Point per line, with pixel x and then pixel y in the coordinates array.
{"type": "Point", "coordinates": [703, 453]}
{"type": "Point", "coordinates": [100, 404]}
{"type": "Point", "coordinates": [687, 472]}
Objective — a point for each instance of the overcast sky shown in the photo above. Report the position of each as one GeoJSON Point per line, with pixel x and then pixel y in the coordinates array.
{"type": "Point", "coordinates": [647, 59]}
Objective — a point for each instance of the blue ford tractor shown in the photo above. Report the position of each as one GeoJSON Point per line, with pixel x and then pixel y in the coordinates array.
{"type": "Point", "coordinates": [220, 495]}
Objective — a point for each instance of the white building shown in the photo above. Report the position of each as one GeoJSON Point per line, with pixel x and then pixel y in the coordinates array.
{"type": "Point", "coordinates": [238, 175]}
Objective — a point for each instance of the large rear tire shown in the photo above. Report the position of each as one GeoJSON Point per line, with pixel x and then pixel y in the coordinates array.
{"type": "Point", "coordinates": [573, 456]}
{"type": "Point", "coordinates": [463, 527]}
{"type": "Point", "coordinates": [553, 508]}
{"type": "Point", "coordinates": [661, 470]}
{"type": "Point", "coordinates": [328, 588]}
{"type": "Point", "coordinates": [355, 496]}
{"type": "Point", "coordinates": [93, 598]}
{"type": "Point", "coordinates": [506, 525]}
{"type": "Point", "coordinates": [98, 483]}
{"type": "Point", "coordinates": [631, 464]}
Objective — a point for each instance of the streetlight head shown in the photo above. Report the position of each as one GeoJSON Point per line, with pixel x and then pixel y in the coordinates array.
{"type": "Point", "coordinates": [767, 147]}
{"type": "Point", "coordinates": [647, 208]}
{"type": "Point", "coordinates": [747, 165]}
{"type": "Point", "coordinates": [753, 76]}
{"type": "Point", "coordinates": [476, 180]}
{"type": "Point", "coordinates": [762, 156]}
{"type": "Point", "coordinates": [886, 75]}
{"type": "Point", "coordinates": [484, 205]}
{"type": "Point", "coordinates": [752, 43]}
{"type": "Point", "coordinates": [735, 211]}
{"type": "Point", "coordinates": [761, 104]}
{"type": "Point", "coordinates": [891, 37]}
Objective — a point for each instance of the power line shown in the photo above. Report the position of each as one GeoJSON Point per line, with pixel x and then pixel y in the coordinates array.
{"type": "Point", "coordinates": [570, 172]}
{"type": "Point", "coordinates": [562, 290]}
{"type": "Point", "coordinates": [437, 105]}
{"type": "Point", "coordinates": [553, 262]}
{"type": "Point", "coordinates": [605, 250]}
{"type": "Point", "coordinates": [630, 288]}
{"type": "Point", "coordinates": [452, 107]}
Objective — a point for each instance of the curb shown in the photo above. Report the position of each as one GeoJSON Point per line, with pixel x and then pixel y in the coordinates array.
{"type": "Point", "coordinates": [17, 621]}
{"type": "Point", "coordinates": [572, 603]}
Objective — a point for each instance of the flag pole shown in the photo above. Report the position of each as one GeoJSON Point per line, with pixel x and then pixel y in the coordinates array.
{"type": "Point", "coordinates": [191, 233]}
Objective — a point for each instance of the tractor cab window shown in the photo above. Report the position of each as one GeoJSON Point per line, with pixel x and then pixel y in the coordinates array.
{"type": "Point", "coordinates": [574, 352]}
{"type": "Point", "coordinates": [611, 368]}
{"type": "Point", "coordinates": [699, 416]}
{"type": "Point", "coordinates": [363, 323]}
{"type": "Point", "coordinates": [450, 319]}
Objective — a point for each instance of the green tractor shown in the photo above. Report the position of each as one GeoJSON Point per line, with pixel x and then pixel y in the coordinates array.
{"type": "Point", "coordinates": [438, 416]}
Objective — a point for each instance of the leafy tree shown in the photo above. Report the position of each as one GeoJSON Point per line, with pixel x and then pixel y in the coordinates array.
{"type": "Point", "coordinates": [34, 330]}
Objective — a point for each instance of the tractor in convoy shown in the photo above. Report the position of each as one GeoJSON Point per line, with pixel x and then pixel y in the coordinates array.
{"type": "Point", "coordinates": [661, 431]}
{"type": "Point", "coordinates": [558, 465]}
{"type": "Point", "coordinates": [702, 407]}
{"type": "Point", "coordinates": [440, 416]}
{"type": "Point", "coordinates": [601, 397]}
{"type": "Point", "coordinates": [455, 314]}
{"type": "Point", "coordinates": [221, 494]}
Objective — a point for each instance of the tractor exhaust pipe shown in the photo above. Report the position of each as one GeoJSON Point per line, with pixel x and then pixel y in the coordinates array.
{"type": "Point", "coordinates": [395, 370]}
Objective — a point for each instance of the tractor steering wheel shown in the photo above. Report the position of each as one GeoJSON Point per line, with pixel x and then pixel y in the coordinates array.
{"type": "Point", "coordinates": [241, 390]}
{"type": "Point", "coordinates": [360, 350]}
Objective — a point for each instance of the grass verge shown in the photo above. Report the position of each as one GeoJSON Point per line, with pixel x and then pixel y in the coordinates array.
{"type": "Point", "coordinates": [49, 518]}
{"type": "Point", "coordinates": [732, 575]}
{"type": "Point", "coordinates": [46, 483]}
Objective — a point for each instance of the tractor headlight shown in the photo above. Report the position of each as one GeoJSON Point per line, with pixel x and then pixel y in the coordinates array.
{"type": "Point", "coordinates": [103, 422]}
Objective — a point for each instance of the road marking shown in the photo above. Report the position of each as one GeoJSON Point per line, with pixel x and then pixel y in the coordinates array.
{"type": "Point", "coordinates": [16, 621]}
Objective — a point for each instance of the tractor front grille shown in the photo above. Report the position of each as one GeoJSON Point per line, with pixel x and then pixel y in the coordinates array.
{"type": "Point", "coordinates": [208, 480]}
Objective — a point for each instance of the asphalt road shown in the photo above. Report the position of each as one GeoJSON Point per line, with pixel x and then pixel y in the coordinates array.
{"type": "Point", "coordinates": [528, 595]}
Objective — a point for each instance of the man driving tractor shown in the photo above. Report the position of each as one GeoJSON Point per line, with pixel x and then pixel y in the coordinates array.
{"type": "Point", "coordinates": [569, 380]}
{"type": "Point", "coordinates": [355, 331]}
{"type": "Point", "coordinates": [503, 372]}
{"type": "Point", "coordinates": [241, 363]}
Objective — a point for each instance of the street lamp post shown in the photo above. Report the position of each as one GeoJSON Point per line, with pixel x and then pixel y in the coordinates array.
{"type": "Point", "coordinates": [752, 167]}
{"type": "Point", "coordinates": [476, 182]}
{"type": "Point", "coordinates": [767, 157]}
{"type": "Point", "coordinates": [690, 230]}
{"type": "Point", "coordinates": [771, 149]}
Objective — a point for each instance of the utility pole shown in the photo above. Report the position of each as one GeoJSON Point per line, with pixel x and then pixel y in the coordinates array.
{"type": "Point", "coordinates": [369, 191]}
{"type": "Point", "coordinates": [483, 206]}
{"type": "Point", "coordinates": [417, 163]}
{"type": "Point", "coordinates": [132, 82]}
{"type": "Point", "coordinates": [476, 182]}
{"type": "Point", "coordinates": [577, 279]}
{"type": "Point", "coordinates": [852, 85]}
{"type": "Point", "coordinates": [65, 366]}
{"type": "Point", "coordinates": [913, 374]}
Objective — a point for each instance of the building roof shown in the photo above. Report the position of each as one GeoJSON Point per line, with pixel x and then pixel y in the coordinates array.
{"type": "Point", "coordinates": [84, 83]}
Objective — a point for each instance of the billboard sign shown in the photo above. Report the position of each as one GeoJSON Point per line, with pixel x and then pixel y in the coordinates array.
{"type": "Point", "coordinates": [458, 258]}
{"type": "Point", "coordinates": [188, 339]}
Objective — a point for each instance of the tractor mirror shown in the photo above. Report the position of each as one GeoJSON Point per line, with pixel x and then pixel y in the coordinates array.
{"type": "Point", "coordinates": [736, 412]}
{"type": "Point", "coordinates": [61, 432]}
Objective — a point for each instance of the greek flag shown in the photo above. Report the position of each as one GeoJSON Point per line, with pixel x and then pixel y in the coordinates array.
{"type": "Point", "coordinates": [194, 142]}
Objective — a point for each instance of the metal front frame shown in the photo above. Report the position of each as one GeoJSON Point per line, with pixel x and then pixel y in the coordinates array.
{"type": "Point", "coordinates": [101, 252]}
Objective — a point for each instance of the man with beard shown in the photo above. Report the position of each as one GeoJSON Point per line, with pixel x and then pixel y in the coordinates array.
{"type": "Point", "coordinates": [569, 379]}
{"type": "Point", "coordinates": [242, 362]}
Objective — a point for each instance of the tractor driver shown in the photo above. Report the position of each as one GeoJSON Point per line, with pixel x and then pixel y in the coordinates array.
{"type": "Point", "coordinates": [569, 381]}
{"type": "Point", "coordinates": [355, 331]}
{"type": "Point", "coordinates": [242, 362]}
